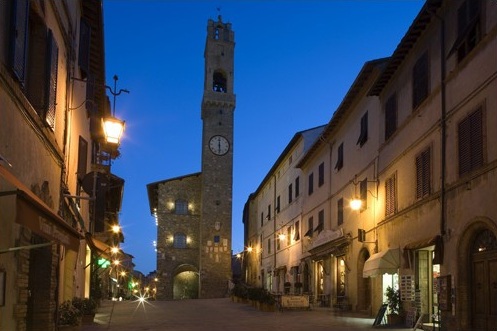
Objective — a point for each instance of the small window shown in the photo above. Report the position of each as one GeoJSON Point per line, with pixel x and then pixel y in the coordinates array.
{"type": "Point", "coordinates": [391, 196]}
{"type": "Point", "coordinates": [262, 219]}
{"type": "Point", "coordinates": [420, 80]}
{"type": "Point", "coordinates": [423, 174]}
{"type": "Point", "coordinates": [340, 211]}
{"type": "Point", "coordinates": [288, 235]}
{"type": "Point", "coordinates": [297, 186]}
{"type": "Point", "coordinates": [321, 174]}
{"type": "Point", "coordinates": [269, 245]}
{"type": "Point", "coordinates": [181, 207]}
{"type": "Point", "coordinates": [339, 164]}
{"type": "Point", "coordinates": [311, 183]}
{"type": "Point", "coordinates": [179, 240]}
{"type": "Point", "coordinates": [363, 137]}
{"type": "Point", "coordinates": [277, 204]}
{"type": "Point", "coordinates": [391, 116]}
{"type": "Point", "coordinates": [470, 135]}
{"type": "Point", "coordinates": [320, 225]}
{"type": "Point", "coordinates": [310, 227]}
{"type": "Point", "coordinates": [468, 28]}
{"type": "Point", "coordinates": [296, 236]}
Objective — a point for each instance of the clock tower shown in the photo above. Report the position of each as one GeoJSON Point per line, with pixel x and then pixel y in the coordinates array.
{"type": "Point", "coordinates": [218, 105]}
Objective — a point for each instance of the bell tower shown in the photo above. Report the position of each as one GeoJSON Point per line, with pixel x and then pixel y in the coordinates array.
{"type": "Point", "coordinates": [218, 105]}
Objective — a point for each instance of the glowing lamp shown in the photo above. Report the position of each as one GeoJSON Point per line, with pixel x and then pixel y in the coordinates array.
{"type": "Point", "coordinates": [113, 129]}
{"type": "Point", "coordinates": [355, 204]}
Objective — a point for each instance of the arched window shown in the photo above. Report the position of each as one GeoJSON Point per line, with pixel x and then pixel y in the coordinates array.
{"type": "Point", "coordinates": [181, 207]}
{"type": "Point", "coordinates": [179, 240]}
{"type": "Point", "coordinates": [485, 241]}
{"type": "Point", "coordinates": [219, 82]}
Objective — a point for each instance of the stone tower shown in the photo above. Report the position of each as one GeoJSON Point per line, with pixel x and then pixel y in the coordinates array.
{"type": "Point", "coordinates": [218, 105]}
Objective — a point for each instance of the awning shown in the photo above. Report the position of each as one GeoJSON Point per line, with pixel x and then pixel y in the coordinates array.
{"type": "Point", "coordinates": [34, 214]}
{"type": "Point", "coordinates": [385, 262]}
{"type": "Point", "coordinates": [99, 247]}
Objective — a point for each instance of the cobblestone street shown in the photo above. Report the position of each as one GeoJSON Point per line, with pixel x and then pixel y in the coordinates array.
{"type": "Point", "coordinates": [218, 314]}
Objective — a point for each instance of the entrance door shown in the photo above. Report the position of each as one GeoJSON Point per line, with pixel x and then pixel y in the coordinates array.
{"type": "Point", "coordinates": [484, 282]}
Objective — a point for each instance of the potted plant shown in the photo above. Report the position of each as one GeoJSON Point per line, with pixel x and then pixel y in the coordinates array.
{"type": "Point", "coordinates": [395, 311]}
{"type": "Point", "coordinates": [69, 315]}
{"type": "Point", "coordinates": [87, 308]}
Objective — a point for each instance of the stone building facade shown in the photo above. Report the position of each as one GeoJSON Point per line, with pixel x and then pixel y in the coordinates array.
{"type": "Point", "coordinates": [194, 222]}
{"type": "Point", "coordinates": [412, 141]}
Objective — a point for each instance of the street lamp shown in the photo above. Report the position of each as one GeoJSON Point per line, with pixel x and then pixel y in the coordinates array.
{"type": "Point", "coordinates": [113, 130]}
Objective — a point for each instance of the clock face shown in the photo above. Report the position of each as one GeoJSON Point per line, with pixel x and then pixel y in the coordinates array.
{"type": "Point", "coordinates": [219, 145]}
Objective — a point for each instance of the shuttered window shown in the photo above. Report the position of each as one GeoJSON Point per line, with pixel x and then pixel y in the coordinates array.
{"type": "Point", "coordinates": [390, 196]}
{"type": "Point", "coordinates": [420, 80]}
{"type": "Point", "coordinates": [311, 183]}
{"type": "Point", "coordinates": [468, 27]}
{"type": "Point", "coordinates": [423, 174]}
{"type": "Point", "coordinates": [390, 116]}
{"type": "Point", "coordinates": [363, 188]}
{"type": "Point", "coordinates": [340, 211]}
{"type": "Point", "coordinates": [19, 38]}
{"type": "Point", "coordinates": [321, 174]}
{"type": "Point", "coordinates": [470, 135]}
{"type": "Point", "coordinates": [363, 137]}
{"type": "Point", "coordinates": [339, 164]}
{"type": "Point", "coordinates": [84, 47]}
{"type": "Point", "coordinates": [53, 58]}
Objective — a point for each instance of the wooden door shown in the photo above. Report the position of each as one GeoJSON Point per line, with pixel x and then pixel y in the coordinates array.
{"type": "Point", "coordinates": [484, 285]}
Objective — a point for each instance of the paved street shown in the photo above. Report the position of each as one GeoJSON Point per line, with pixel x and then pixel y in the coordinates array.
{"type": "Point", "coordinates": [219, 315]}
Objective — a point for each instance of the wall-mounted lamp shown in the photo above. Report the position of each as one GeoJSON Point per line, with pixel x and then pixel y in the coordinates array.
{"type": "Point", "coordinates": [357, 202]}
{"type": "Point", "coordinates": [282, 236]}
{"type": "Point", "coordinates": [113, 130]}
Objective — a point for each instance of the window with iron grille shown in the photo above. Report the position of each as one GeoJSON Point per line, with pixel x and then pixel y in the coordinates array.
{"type": "Point", "coordinates": [339, 163]}
{"type": "Point", "coordinates": [321, 174]}
{"type": "Point", "coordinates": [420, 80]}
{"type": "Point", "coordinates": [391, 196]}
{"type": "Point", "coordinates": [181, 207]}
{"type": "Point", "coordinates": [468, 28]}
{"type": "Point", "coordinates": [390, 116]}
{"type": "Point", "coordinates": [179, 240]}
{"type": "Point", "coordinates": [311, 183]}
{"type": "Point", "coordinates": [423, 173]}
{"type": "Point", "coordinates": [470, 135]}
{"type": "Point", "coordinates": [363, 137]}
{"type": "Point", "coordinates": [340, 211]}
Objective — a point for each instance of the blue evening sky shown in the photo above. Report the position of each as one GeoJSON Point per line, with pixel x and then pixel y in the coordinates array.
{"type": "Point", "coordinates": [294, 62]}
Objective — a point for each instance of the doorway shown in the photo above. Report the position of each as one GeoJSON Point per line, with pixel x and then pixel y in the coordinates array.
{"type": "Point", "coordinates": [484, 281]}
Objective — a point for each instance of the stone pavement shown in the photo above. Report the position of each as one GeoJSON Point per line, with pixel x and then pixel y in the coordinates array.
{"type": "Point", "coordinates": [220, 315]}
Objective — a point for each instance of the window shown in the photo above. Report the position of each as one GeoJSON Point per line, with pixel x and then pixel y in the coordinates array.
{"type": "Point", "coordinates": [420, 80]}
{"type": "Point", "coordinates": [321, 174]}
{"type": "Point", "coordinates": [311, 183]}
{"type": "Point", "coordinates": [181, 207]}
{"type": "Point", "coordinates": [423, 174]}
{"type": "Point", "coordinates": [290, 193]}
{"type": "Point", "coordinates": [296, 235]}
{"type": "Point", "coordinates": [363, 188]}
{"type": "Point", "coordinates": [468, 28]}
{"type": "Point", "coordinates": [84, 47]}
{"type": "Point", "coordinates": [19, 39]}
{"type": "Point", "coordinates": [269, 245]}
{"type": "Point", "coordinates": [470, 135]}
{"type": "Point", "coordinates": [179, 240]}
{"type": "Point", "coordinates": [269, 212]}
{"type": "Point", "coordinates": [390, 196]}
{"type": "Point", "coordinates": [262, 219]}
{"type": "Point", "coordinates": [217, 240]}
{"type": "Point", "coordinates": [219, 82]}
{"type": "Point", "coordinates": [278, 204]}
{"type": "Point", "coordinates": [340, 211]}
{"type": "Point", "coordinates": [320, 225]}
{"type": "Point", "coordinates": [297, 186]}
{"type": "Point", "coordinates": [82, 164]}
{"type": "Point", "coordinates": [42, 66]}
{"type": "Point", "coordinates": [363, 137]}
{"type": "Point", "coordinates": [339, 163]}
{"type": "Point", "coordinates": [310, 227]}
{"type": "Point", "coordinates": [278, 243]}
{"type": "Point", "coordinates": [289, 235]}
{"type": "Point", "coordinates": [390, 116]}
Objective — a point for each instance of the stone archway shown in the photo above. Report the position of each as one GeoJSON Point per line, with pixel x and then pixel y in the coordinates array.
{"type": "Point", "coordinates": [185, 282]}
{"type": "Point", "coordinates": [363, 284]}
{"type": "Point", "coordinates": [468, 262]}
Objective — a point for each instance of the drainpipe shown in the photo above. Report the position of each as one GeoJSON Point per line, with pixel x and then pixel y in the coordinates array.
{"type": "Point", "coordinates": [443, 125]}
